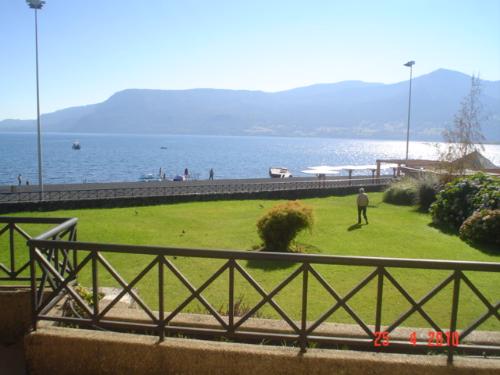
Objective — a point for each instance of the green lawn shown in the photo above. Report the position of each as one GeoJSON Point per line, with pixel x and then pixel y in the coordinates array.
{"type": "Point", "coordinates": [394, 231]}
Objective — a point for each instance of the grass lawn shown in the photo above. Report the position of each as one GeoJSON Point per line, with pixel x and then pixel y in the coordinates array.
{"type": "Point", "coordinates": [394, 231]}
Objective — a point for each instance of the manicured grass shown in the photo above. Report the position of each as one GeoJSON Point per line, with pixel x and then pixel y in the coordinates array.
{"type": "Point", "coordinates": [394, 231]}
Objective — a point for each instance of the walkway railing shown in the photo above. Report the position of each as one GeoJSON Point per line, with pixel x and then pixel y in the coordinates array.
{"type": "Point", "coordinates": [166, 189]}
{"type": "Point", "coordinates": [14, 254]}
{"type": "Point", "coordinates": [51, 258]}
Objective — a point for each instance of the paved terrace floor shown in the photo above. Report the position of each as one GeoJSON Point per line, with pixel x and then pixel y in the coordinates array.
{"type": "Point", "coordinates": [155, 183]}
{"type": "Point", "coordinates": [62, 192]}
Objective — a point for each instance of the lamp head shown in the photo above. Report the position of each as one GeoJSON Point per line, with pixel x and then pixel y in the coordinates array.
{"type": "Point", "coordinates": [35, 4]}
{"type": "Point", "coordinates": [410, 63]}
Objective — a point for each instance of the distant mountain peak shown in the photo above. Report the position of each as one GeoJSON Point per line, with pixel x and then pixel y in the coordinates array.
{"type": "Point", "coordinates": [346, 109]}
{"type": "Point", "coordinates": [445, 74]}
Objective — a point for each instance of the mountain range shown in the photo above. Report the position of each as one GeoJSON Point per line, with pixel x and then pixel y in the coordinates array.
{"type": "Point", "coordinates": [348, 109]}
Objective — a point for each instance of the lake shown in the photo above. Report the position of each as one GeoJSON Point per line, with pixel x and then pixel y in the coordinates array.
{"type": "Point", "coordinates": [125, 157]}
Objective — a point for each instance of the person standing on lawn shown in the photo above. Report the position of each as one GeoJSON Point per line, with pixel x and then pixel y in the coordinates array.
{"type": "Point", "coordinates": [362, 201]}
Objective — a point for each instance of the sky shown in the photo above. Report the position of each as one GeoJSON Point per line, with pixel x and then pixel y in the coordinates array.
{"type": "Point", "coordinates": [89, 50]}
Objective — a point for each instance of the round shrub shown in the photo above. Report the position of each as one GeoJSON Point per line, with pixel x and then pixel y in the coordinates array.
{"type": "Point", "coordinates": [461, 197]}
{"type": "Point", "coordinates": [279, 226]}
{"type": "Point", "coordinates": [402, 192]}
{"type": "Point", "coordinates": [483, 227]}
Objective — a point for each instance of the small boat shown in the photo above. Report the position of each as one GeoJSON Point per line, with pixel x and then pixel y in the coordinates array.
{"type": "Point", "coordinates": [163, 147]}
{"type": "Point", "coordinates": [76, 145]}
{"type": "Point", "coordinates": [148, 177]}
{"type": "Point", "coordinates": [279, 172]}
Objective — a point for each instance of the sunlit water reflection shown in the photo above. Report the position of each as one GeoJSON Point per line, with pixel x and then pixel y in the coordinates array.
{"type": "Point", "coordinates": [126, 157]}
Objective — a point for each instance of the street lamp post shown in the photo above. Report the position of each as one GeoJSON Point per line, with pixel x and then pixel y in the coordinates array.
{"type": "Point", "coordinates": [410, 65]}
{"type": "Point", "coordinates": [36, 5]}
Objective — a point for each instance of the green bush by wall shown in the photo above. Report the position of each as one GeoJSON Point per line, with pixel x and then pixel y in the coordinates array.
{"type": "Point", "coordinates": [279, 226]}
{"type": "Point", "coordinates": [402, 192]}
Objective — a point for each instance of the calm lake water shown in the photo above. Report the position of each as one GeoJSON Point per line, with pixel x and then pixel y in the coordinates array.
{"type": "Point", "coordinates": [106, 158]}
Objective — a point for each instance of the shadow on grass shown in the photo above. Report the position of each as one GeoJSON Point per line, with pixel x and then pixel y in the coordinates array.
{"type": "Point", "coordinates": [354, 227]}
{"type": "Point", "coordinates": [271, 265]}
{"type": "Point", "coordinates": [444, 229]}
{"type": "Point", "coordinates": [421, 210]}
{"type": "Point", "coordinates": [305, 248]}
{"type": "Point", "coordinates": [490, 249]}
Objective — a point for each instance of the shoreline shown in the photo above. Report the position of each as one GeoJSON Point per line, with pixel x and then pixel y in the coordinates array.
{"type": "Point", "coordinates": [396, 139]}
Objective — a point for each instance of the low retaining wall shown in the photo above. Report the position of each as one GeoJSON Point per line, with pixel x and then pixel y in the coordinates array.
{"type": "Point", "coordinates": [69, 351]}
{"type": "Point", "coordinates": [15, 313]}
{"type": "Point", "coordinates": [133, 314]}
{"type": "Point", "coordinates": [145, 201]}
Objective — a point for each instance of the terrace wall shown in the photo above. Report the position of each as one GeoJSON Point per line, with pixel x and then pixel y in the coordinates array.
{"type": "Point", "coordinates": [69, 351]}
{"type": "Point", "coordinates": [15, 313]}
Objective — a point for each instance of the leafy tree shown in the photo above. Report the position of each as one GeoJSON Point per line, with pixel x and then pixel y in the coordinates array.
{"type": "Point", "coordinates": [465, 136]}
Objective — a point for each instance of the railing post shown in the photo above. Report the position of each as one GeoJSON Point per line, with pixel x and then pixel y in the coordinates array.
{"type": "Point", "coordinates": [161, 298]}
{"type": "Point", "coordinates": [95, 287]}
{"type": "Point", "coordinates": [454, 313]}
{"type": "Point", "coordinates": [231, 295]}
{"type": "Point", "coordinates": [34, 302]}
{"type": "Point", "coordinates": [380, 289]}
{"type": "Point", "coordinates": [75, 251]}
{"type": "Point", "coordinates": [303, 327]}
{"type": "Point", "coordinates": [56, 256]}
{"type": "Point", "coordinates": [12, 250]}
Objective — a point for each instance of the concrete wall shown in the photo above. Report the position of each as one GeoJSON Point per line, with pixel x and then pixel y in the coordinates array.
{"type": "Point", "coordinates": [72, 351]}
{"type": "Point", "coordinates": [15, 313]}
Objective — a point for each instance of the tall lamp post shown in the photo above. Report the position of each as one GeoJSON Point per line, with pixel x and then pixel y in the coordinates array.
{"type": "Point", "coordinates": [410, 65]}
{"type": "Point", "coordinates": [36, 5]}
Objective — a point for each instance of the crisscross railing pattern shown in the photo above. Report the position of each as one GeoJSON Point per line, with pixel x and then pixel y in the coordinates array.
{"type": "Point", "coordinates": [169, 188]}
{"type": "Point", "coordinates": [302, 330]}
{"type": "Point", "coordinates": [16, 254]}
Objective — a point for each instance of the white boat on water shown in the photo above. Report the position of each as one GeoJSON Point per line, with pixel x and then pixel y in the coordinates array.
{"type": "Point", "coordinates": [76, 145]}
{"type": "Point", "coordinates": [279, 172]}
{"type": "Point", "coordinates": [148, 177]}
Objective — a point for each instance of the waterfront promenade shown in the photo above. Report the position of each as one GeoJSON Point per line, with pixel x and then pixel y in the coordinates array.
{"type": "Point", "coordinates": [123, 190]}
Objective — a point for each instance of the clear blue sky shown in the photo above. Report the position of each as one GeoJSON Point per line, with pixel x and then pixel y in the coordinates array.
{"type": "Point", "coordinates": [91, 49]}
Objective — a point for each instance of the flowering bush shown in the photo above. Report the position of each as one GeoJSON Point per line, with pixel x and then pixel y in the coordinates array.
{"type": "Point", "coordinates": [462, 197]}
{"type": "Point", "coordinates": [279, 226]}
{"type": "Point", "coordinates": [482, 227]}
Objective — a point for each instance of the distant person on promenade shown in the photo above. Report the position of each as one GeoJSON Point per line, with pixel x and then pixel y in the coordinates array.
{"type": "Point", "coordinates": [362, 202]}
{"type": "Point", "coordinates": [211, 174]}
{"type": "Point", "coordinates": [19, 179]}
{"type": "Point", "coordinates": [27, 182]}
{"type": "Point", "coordinates": [186, 173]}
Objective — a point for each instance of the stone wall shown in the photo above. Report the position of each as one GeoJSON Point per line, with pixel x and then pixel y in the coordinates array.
{"type": "Point", "coordinates": [15, 313]}
{"type": "Point", "coordinates": [71, 351]}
